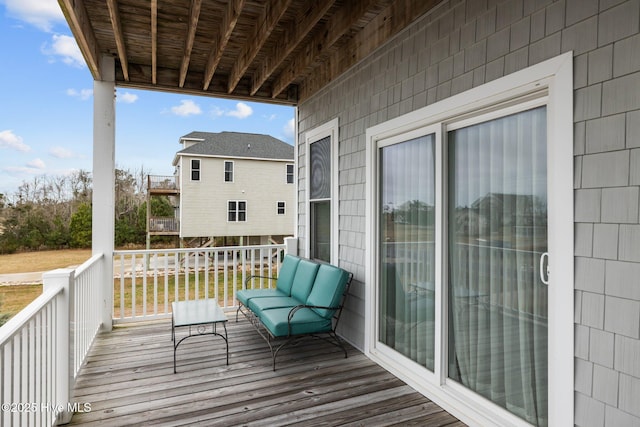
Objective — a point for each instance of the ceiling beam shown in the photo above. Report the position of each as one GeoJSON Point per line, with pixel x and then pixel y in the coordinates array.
{"type": "Point", "coordinates": [229, 20]}
{"type": "Point", "coordinates": [326, 37]}
{"type": "Point", "coordinates": [114, 14]}
{"type": "Point", "coordinates": [167, 78]}
{"type": "Point", "coordinates": [289, 40]}
{"type": "Point", "coordinates": [78, 20]}
{"type": "Point", "coordinates": [265, 24]}
{"type": "Point", "coordinates": [154, 41]}
{"type": "Point", "coordinates": [396, 17]}
{"type": "Point", "coordinates": [194, 15]}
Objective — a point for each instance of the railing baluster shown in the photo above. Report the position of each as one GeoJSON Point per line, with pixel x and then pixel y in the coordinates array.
{"type": "Point", "coordinates": [121, 286]}
{"type": "Point", "coordinates": [206, 273]}
{"type": "Point", "coordinates": [155, 283]}
{"type": "Point", "coordinates": [133, 285]}
{"type": "Point", "coordinates": [166, 282]}
{"type": "Point", "coordinates": [186, 276]}
{"type": "Point", "coordinates": [216, 276]}
{"type": "Point", "coordinates": [145, 257]}
{"type": "Point", "coordinates": [176, 286]}
{"type": "Point", "coordinates": [226, 275]}
{"type": "Point", "coordinates": [196, 270]}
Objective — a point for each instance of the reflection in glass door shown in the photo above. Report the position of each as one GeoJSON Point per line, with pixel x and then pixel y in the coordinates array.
{"type": "Point", "coordinates": [407, 249]}
{"type": "Point", "coordinates": [497, 235]}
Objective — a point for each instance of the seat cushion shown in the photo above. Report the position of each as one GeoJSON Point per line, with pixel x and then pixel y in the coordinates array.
{"type": "Point", "coordinates": [257, 305]}
{"type": "Point", "coordinates": [245, 295]}
{"type": "Point", "coordinates": [328, 288]}
{"type": "Point", "coordinates": [287, 273]}
{"type": "Point", "coordinates": [303, 280]}
{"type": "Point", "coordinates": [304, 321]}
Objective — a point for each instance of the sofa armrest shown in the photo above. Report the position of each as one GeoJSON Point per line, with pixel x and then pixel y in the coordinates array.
{"type": "Point", "coordinates": [301, 306]}
{"type": "Point", "coordinates": [246, 281]}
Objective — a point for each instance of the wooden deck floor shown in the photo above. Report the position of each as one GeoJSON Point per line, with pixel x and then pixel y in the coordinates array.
{"type": "Point", "coordinates": [128, 380]}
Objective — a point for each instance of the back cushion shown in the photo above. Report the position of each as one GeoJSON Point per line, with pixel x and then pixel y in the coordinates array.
{"type": "Point", "coordinates": [287, 274]}
{"type": "Point", "coordinates": [303, 280]}
{"type": "Point", "coordinates": [328, 288]}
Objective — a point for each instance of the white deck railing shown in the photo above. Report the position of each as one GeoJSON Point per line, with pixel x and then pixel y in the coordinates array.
{"type": "Point", "coordinates": [44, 345]}
{"type": "Point", "coordinates": [147, 281]}
{"type": "Point", "coordinates": [86, 314]}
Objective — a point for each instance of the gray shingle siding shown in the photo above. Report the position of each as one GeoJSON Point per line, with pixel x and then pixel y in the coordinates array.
{"type": "Point", "coordinates": [467, 43]}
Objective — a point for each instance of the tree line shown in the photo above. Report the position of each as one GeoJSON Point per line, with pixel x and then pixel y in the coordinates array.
{"type": "Point", "coordinates": [54, 212]}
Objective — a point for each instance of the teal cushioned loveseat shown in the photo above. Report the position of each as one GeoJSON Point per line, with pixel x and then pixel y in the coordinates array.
{"type": "Point", "coordinates": [307, 300]}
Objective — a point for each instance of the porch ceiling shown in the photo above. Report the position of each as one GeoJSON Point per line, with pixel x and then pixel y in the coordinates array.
{"type": "Point", "coordinates": [280, 51]}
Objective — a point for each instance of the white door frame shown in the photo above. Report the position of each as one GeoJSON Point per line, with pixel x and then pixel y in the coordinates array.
{"type": "Point", "coordinates": [555, 78]}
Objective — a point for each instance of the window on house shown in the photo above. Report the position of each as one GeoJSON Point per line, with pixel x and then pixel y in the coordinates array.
{"type": "Point", "coordinates": [281, 210]}
{"type": "Point", "coordinates": [322, 182]}
{"type": "Point", "coordinates": [289, 174]}
{"type": "Point", "coordinates": [320, 199]}
{"type": "Point", "coordinates": [228, 171]}
{"type": "Point", "coordinates": [195, 170]}
{"type": "Point", "coordinates": [237, 211]}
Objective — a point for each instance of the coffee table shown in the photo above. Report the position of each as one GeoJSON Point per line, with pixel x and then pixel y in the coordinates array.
{"type": "Point", "coordinates": [197, 314]}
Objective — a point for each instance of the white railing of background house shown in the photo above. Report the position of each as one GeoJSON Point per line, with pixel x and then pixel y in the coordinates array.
{"type": "Point", "coordinates": [37, 361]}
{"type": "Point", "coordinates": [160, 224]}
{"type": "Point", "coordinates": [156, 182]}
{"type": "Point", "coordinates": [147, 281]}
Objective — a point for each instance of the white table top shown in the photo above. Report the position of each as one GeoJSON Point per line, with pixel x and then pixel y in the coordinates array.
{"type": "Point", "coordinates": [197, 312]}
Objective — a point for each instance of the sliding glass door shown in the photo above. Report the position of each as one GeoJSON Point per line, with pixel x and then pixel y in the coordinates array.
{"type": "Point", "coordinates": [407, 248]}
{"type": "Point", "coordinates": [492, 333]}
{"type": "Point", "coordinates": [497, 234]}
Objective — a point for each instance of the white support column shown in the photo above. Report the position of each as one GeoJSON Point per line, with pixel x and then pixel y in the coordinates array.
{"type": "Point", "coordinates": [104, 165]}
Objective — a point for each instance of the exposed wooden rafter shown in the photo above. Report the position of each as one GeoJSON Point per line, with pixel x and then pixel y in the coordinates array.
{"type": "Point", "coordinates": [263, 27]}
{"type": "Point", "coordinates": [229, 20]}
{"type": "Point", "coordinates": [290, 39]}
{"type": "Point", "coordinates": [154, 42]}
{"type": "Point", "coordinates": [114, 14]}
{"type": "Point", "coordinates": [76, 15]}
{"type": "Point", "coordinates": [331, 32]}
{"type": "Point", "coordinates": [278, 51]}
{"type": "Point", "coordinates": [194, 15]}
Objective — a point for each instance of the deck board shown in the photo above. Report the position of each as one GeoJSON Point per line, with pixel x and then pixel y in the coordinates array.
{"type": "Point", "coordinates": [128, 379]}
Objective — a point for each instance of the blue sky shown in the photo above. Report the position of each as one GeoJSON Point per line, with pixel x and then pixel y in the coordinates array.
{"type": "Point", "coordinates": [46, 106]}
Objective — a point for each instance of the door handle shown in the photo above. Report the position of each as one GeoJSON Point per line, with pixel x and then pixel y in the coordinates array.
{"type": "Point", "coordinates": [542, 269]}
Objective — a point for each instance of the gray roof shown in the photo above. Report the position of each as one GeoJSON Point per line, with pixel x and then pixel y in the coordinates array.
{"type": "Point", "coordinates": [236, 144]}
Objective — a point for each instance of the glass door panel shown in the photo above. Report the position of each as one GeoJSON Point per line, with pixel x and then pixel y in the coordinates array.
{"type": "Point", "coordinates": [497, 235]}
{"type": "Point", "coordinates": [407, 248]}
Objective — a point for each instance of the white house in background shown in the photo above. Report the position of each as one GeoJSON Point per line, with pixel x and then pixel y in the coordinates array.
{"type": "Point", "coordinates": [235, 185]}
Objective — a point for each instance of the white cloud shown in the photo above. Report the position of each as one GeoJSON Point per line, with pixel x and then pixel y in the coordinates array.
{"type": "Point", "coordinates": [66, 48]}
{"type": "Point", "coordinates": [127, 97]}
{"type": "Point", "coordinates": [27, 170]}
{"type": "Point", "coordinates": [289, 129]}
{"type": "Point", "coordinates": [36, 164]}
{"type": "Point", "coordinates": [242, 111]}
{"type": "Point", "coordinates": [34, 167]}
{"type": "Point", "coordinates": [43, 14]}
{"type": "Point", "coordinates": [186, 108]}
{"type": "Point", "coordinates": [8, 139]}
{"type": "Point", "coordinates": [217, 112]}
{"type": "Point", "coordinates": [61, 153]}
{"type": "Point", "coordinates": [82, 94]}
